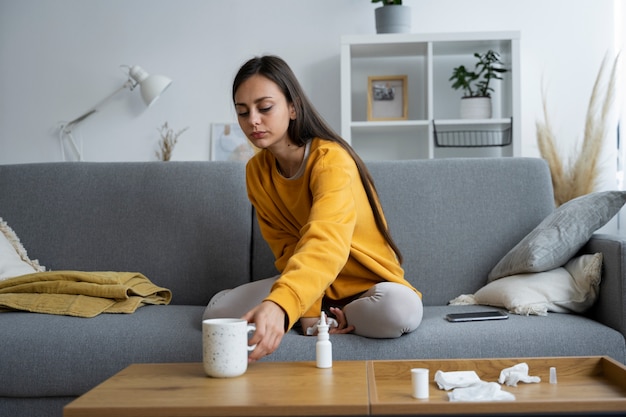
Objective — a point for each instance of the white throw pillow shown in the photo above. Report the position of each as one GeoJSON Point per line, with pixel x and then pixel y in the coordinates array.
{"type": "Point", "coordinates": [560, 235]}
{"type": "Point", "coordinates": [573, 288]}
{"type": "Point", "coordinates": [13, 258]}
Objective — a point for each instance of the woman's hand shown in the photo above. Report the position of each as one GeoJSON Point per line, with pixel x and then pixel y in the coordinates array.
{"type": "Point", "coordinates": [342, 323]}
{"type": "Point", "coordinates": [269, 320]}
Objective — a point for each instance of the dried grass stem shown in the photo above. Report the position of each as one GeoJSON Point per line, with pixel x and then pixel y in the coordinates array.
{"type": "Point", "coordinates": [579, 176]}
{"type": "Point", "coordinates": [168, 141]}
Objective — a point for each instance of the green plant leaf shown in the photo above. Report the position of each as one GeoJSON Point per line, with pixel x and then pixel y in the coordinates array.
{"type": "Point", "coordinates": [477, 83]}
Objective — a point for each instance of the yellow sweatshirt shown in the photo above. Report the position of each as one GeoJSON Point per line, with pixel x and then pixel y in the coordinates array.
{"type": "Point", "coordinates": [321, 230]}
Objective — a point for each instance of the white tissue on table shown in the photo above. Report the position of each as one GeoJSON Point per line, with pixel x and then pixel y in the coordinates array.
{"type": "Point", "coordinates": [456, 379]}
{"type": "Point", "coordinates": [518, 373]}
{"type": "Point", "coordinates": [310, 331]}
{"type": "Point", "coordinates": [481, 391]}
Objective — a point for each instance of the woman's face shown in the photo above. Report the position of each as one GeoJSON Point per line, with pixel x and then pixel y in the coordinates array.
{"type": "Point", "coordinates": [263, 112]}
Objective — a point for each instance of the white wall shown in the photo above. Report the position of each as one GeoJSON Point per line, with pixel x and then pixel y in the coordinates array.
{"type": "Point", "coordinates": [58, 58]}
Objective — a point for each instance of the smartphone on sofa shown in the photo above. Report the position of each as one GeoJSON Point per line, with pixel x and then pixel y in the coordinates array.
{"type": "Point", "coordinates": [477, 316]}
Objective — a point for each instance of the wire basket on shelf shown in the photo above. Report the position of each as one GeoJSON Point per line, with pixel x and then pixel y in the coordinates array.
{"type": "Point", "coordinates": [473, 138]}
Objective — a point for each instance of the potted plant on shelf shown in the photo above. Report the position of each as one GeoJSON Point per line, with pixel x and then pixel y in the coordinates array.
{"type": "Point", "coordinates": [476, 100]}
{"type": "Point", "coordinates": [392, 17]}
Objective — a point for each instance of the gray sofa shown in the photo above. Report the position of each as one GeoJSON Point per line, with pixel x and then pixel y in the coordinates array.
{"type": "Point", "coordinates": [188, 226]}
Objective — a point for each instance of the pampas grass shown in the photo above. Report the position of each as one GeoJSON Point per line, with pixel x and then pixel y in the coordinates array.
{"type": "Point", "coordinates": [167, 142]}
{"type": "Point", "coordinates": [579, 174]}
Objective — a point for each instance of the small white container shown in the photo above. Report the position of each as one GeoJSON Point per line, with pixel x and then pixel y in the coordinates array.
{"type": "Point", "coordinates": [552, 375]}
{"type": "Point", "coordinates": [419, 380]}
{"type": "Point", "coordinates": [476, 108]}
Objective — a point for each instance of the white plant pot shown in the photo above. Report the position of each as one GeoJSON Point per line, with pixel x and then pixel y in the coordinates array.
{"type": "Point", "coordinates": [393, 19]}
{"type": "Point", "coordinates": [476, 108]}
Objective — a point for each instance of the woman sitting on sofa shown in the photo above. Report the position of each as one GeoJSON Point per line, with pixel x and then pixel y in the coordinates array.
{"type": "Point", "coordinates": [318, 209]}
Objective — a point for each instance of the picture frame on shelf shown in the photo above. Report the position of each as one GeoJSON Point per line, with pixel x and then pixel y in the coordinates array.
{"type": "Point", "coordinates": [229, 143]}
{"type": "Point", "coordinates": [387, 97]}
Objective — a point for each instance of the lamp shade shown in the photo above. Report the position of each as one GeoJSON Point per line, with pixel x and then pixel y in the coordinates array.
{"type": "Point", "coordinates": [151, 86]}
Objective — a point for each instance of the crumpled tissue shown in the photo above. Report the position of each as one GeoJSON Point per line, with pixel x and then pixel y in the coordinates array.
{"type": "Point", "coordinates": [481, 391]}
{"type": "Point", "coordinates": [518, 373]}
{"type": "Point", "coordinates": [456, 379]}
{"type": "Point", "coordinates": [467, 386]}
{"type": "Point", "coordinates": [310, 331]}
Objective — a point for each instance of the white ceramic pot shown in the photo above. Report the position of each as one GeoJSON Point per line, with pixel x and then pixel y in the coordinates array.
{"type": "Point", "coordinates": [476, 108]}
{"type": "Point", "coordinates": [393, 19]}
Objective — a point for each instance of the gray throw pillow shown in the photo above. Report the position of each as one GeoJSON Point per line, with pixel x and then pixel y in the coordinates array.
{"type": "Point", "coordinates": [560, 235]}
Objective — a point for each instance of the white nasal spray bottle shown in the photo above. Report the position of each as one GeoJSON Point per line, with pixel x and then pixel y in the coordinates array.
{"type": "Point", "coordinates": [323, 348]}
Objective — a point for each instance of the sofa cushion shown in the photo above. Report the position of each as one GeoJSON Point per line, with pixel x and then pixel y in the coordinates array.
{"type": "Point", "coordinates": [72, 365]}
{"type": "Point", "coordinates": [560, 235]}
{"type": "Point", "coordinates": [436, 338]}
{"type": "Point", "coordinates": [66, 356]}
{"type": "Point", "coordinates": [573, 288]}
{"type": "Point", "coordinates": [453, 219]}
{"type": "Point", "coordinates": [14, 260]}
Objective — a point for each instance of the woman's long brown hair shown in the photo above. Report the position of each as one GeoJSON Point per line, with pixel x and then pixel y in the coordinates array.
{"type": "Point", "coordinates": [310, 124]}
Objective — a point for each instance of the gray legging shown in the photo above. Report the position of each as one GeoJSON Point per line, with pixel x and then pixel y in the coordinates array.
{"type": "Point", "coordinates": [386, 310]}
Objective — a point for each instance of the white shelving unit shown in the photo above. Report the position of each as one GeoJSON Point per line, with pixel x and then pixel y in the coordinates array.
{"type": "Point", "coordinates": [427, 60]}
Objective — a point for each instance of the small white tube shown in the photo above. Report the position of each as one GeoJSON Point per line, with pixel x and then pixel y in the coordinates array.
{"type": "Point", "coordinates": [419, 380]}
{"type": "Point", "coordinates": [553, 375]}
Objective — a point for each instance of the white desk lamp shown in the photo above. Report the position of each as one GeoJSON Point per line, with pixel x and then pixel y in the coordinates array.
{"type": "Point", "coordinates": [151, 86]}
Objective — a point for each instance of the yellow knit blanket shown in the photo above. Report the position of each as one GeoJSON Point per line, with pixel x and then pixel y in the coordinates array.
{"type": "Point", "coordinates": [80, 294]}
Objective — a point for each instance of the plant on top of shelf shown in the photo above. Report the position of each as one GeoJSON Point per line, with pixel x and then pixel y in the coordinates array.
{"type": "Point", "coordinates": [392, 17]}
{"type": "Point", "coordinates": [476, 84]}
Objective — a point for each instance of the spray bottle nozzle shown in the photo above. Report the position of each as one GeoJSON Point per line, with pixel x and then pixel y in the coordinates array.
{"type": "Point", "coordinates": [323, 323]}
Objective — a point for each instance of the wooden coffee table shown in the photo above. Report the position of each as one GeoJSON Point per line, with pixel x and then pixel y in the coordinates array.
{"type": "Point", "coordinates": [266, 389]}
{"type": "Point", "coordinates": [585, 385]}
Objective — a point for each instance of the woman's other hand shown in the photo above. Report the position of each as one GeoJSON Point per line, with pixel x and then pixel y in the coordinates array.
{"type": "Point", "coordinates": [342, 322]}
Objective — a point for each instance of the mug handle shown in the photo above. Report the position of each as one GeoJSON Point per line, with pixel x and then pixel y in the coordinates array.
{"type": "Point", "coordinates": [251, 328]}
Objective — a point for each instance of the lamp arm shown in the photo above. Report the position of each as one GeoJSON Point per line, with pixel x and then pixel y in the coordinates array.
{"type": "Point", "coordinates": [152, 87]}
{"type": "Point", "coordinates": [67, 127]}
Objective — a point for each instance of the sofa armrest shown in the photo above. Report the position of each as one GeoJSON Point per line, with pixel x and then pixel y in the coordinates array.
{"type": "Point", "coordinates": [610, 308]}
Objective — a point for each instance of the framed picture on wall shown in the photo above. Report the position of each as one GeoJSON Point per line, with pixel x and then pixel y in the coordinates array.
{"type": "Point", "coordinates": [229, 143]}
{"type": "Point", "coordinates": [387, 97]}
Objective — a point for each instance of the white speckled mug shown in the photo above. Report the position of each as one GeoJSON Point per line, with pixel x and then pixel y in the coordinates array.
{"type": "Point", "coordinates": [225, 347]}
